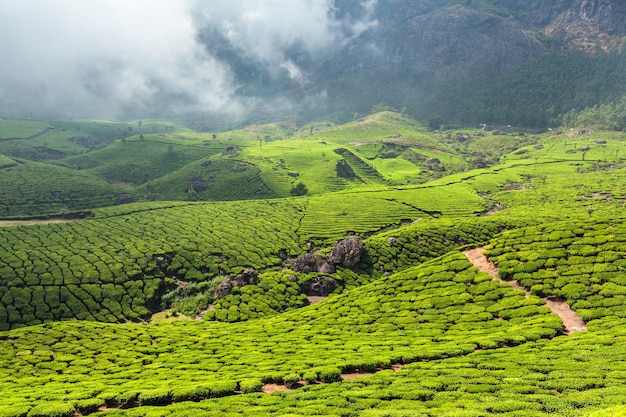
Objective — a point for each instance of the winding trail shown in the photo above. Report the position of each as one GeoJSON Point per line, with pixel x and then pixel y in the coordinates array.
{"type": "Point", "coordinates": [571, 320]}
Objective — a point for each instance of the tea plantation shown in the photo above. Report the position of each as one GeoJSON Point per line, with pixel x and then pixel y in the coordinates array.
{"type": "Point", "coordinates": [189, 302]}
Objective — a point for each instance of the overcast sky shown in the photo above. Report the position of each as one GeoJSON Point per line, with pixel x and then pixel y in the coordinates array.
{"type": "Point", "coordinates": [114, 58]}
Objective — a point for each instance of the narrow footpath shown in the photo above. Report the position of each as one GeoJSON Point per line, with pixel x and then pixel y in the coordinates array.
{"type": "Point", "coordinates": [571, 320]}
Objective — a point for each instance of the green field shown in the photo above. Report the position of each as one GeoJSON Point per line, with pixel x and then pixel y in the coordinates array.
{"type": "Point", "coordinates": [114, 308]}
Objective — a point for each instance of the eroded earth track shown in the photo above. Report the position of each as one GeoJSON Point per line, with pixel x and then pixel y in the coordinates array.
{"type": "Point", "coordinates": [571, 320]}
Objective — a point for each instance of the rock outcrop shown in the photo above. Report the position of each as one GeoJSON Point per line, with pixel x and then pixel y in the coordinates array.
{"type": "Point", "coordinates": [319, 286]}
{"type": "Point", "coordinates": [248, 277]}
{"type": "Point", "coordinates": [346, 252]}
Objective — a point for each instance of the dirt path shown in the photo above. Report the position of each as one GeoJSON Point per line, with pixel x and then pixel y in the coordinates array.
{"type": "Point", "coordinates": [571, 319]}
{"type": "Point", "coordinates": [7, 223]}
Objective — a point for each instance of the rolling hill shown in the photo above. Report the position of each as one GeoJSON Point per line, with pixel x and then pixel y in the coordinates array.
{"type": "Point", "coordinates": [159, 308]}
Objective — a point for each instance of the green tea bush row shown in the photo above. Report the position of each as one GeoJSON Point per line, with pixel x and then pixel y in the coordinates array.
{"type": "Point", "coordinates": [438, 310]}
{"type": "Point", "coordinates": [580, 375]}
{"type": "Point", "coordinates": [215, 179]}
{"type": "Point", "coordinates": [34, 189]}
{"type": "Point", "coordinates": [116, 268]}
{"type": "Point", "coordinates": [399, 249]}
{"type": "Point", "coordinates": [580, 262]}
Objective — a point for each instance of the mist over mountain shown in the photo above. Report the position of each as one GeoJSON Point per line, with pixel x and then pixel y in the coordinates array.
{"type": "Point", "coordinates": [251, 61]}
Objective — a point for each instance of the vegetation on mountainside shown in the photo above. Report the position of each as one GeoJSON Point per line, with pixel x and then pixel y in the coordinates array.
{"type": "Point", "coordinates": [55, 139]}
{"type": "Point", "coordinates": [448, 309]}
{"type": "Point", "coordinates": [532, 96]}
{"type": "Point", "coordinates": [610, 115]}
{"type": "Point", "coordinates": [548, 208]}
{"type": "Point", "coordinates": [29, 188]}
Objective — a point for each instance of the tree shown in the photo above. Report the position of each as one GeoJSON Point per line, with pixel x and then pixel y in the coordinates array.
{"type": "Point", "coordinates": [299, 189]}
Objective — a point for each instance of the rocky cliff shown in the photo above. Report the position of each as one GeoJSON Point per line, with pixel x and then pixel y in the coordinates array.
{"type": "Point", "coordinates": [477, 39]}
{"type": "Point", "coordinates": [588, 25]}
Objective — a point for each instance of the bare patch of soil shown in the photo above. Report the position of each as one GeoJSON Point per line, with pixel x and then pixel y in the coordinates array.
{"type": "Point", "coordinates": [396, 368]}
{"type": "Point", "coordinates": [272, 388]}
{"type": "Point", "coordinates": [313, 299]}
{"type": "Point", "coordinates": [200, 315]}
{"type": "Point", "coordinates": [350, 377]}
{"type": "Point", "coordinates": [571, 320]}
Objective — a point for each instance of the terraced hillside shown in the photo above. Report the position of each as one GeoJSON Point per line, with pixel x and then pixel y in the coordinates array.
{"type": "Point", "coordinates": [199, 308]}
{"type": "Point", "coordinates": [29, 188]}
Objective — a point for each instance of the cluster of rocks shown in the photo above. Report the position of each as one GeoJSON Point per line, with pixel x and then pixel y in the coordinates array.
{"type": "Point", "coordinates": [196, 185]}
{"type": "Point", "coordinates": [347, 253]}
{"type": "Point", "coordinates": [248, 277]}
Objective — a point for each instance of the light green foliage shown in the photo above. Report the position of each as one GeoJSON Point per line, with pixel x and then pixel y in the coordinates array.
{"type": "Point", "coordinates": [417, 315]}
{"type": "Point", "coordinates": [51, 140]}
{"type": "Point", "coordinates": [52, 410]}
{"type": "Point", "coordinates": [213, 179]}
{"type": "Point", "coordinates": [470, 346]}
{"type": "Point", "coordinates": [21, 128]}
{"type": "Point", "coordinates": [274, 293]}
{"type": "Point", "coordinates": [581, 262]}
{"type": "Point", "coordinates": [399, 249]}
{"type": "Point", "coordinates": [6, 162]}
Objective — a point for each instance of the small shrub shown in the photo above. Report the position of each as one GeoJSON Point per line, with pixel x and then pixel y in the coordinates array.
{"type": "Point", "coordinates": [52, 410]}
{"type": "Point", "coordinates": [90, 405]}
{"type": "Point", "coordinates": [329, 375]}
{"type": "Point", "coordinates": [15, 411]}
{"type": "Point", "coordinates": [310, 377]}
{"type": "Point", "coordinates": [159, 396]}
{"type": "Point", "coordinates": [190, 393]}
{"type": "Point", "coordinates": [291, 380]}
{"type": "Point", "coordinates": [248, 386]}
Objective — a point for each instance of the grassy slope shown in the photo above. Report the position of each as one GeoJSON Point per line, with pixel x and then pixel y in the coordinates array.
{"type": "Point", "coordinates": [33, 188]}
{"type": "Point", "coordinates": [407, 317]}
{"type": "Point", "coordinates": [253, 163]}
{"type": "Point", "coordinates": [137, 161]}
{"type": "Point", "coordinates": [54, 139]}
{"type": "Point", "coordinates": [278, 158]}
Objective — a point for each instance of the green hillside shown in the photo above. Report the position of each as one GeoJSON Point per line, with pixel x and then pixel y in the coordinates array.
{"type": "Point", "coordinates": [140, 158]}
{"type": "Point", "coordinates": [55, 139]}
{"type": "Point", "coordinates": [30, 188]}
{"type": "Point", "coordinates": [258, 162]}
{"type": "Point", "coordinates": [119, 313]}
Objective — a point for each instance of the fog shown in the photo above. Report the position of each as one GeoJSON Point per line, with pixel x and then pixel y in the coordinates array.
{"type": "Point", "coordinates": [142, 58]}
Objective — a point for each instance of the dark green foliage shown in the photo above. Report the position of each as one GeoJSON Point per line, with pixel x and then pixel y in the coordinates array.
{"type": "Point", "coordinates": [299, 189]}
{"type": "Point", "coordinates": [532, 96]}
{"type": "Point", "coordinates": [344, 170]}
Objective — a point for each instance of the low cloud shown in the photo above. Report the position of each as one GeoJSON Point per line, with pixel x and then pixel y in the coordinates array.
{"type": "Point", "coordinates": [124, 59]}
